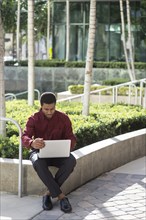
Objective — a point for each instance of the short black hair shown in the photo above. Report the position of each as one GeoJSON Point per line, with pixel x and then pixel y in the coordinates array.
{"type": "Point", "coordinates": [47, 98]}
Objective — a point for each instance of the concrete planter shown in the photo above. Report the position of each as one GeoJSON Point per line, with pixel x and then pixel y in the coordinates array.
{"type": "Point", "coordinates": [92, 161]}
{"type": "Point", "coordinates": [58, 79]}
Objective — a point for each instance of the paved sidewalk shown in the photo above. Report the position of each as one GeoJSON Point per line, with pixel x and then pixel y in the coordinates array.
{"type": "Point", "coordinates": [119, 194]}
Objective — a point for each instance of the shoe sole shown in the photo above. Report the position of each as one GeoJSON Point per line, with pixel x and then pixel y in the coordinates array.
{"type": "Point", "coordinates": [47, 208]}
{"type": "Point", "coordinates": [66, 211]}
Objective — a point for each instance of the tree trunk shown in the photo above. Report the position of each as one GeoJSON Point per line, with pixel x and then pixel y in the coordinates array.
{"type": "Point", "coordinates": [48, 29]}
{"type": "Point", "coordinates": [130, 41]}
{"type": "Point", "coordinates": [90, 57]}
{"type": "Point", "coordinates": [127, 41]}
{"type": "Point", "coordinates": [123, 38]}
{"type": "Point", "coordinates": [67, 30]}
{"type": "Point", "coordinates": [31, 77]}
{"type": "Point", "coordinates": [2, 82]}
{"type": "Point", "coordinates": [18, 31]}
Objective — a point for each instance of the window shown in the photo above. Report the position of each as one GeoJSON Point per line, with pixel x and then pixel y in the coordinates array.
{"type": "Point", "coordinates": [108, 44]}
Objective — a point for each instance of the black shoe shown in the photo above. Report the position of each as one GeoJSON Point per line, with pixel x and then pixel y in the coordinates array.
{"type": "Point", "coordinates": [65, 206]}
{"type": "Point", "coordinates": [47, 203]}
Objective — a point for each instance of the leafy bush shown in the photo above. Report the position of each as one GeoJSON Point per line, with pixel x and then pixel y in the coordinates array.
{"type": "Point", "coordinates": [105, 121]}
{"type": "Point", "coordinates": [115, 81]}
{"type": "Point", "coordinates": [9, 147]}
{"type": "Point", "coordinates": [79, 89]}
{"type": "Point", "coordinates": [122, 91]}
{"type": "Point", "coordinates": [76, 89]}
{"type": "Point", "coordinates": [76, 64]}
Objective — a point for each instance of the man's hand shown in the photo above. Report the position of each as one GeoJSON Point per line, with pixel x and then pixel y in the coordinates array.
{"type": "Point", "coordinates": [38, 143]}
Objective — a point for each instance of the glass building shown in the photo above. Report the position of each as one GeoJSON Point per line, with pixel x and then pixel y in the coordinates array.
{"type": "Point", "coordinates": [108, 44]}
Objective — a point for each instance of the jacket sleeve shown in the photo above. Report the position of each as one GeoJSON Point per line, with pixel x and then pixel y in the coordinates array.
{"type": "Point", "coordinates": [69, 133]}
{"type": "Point", "coordinates": [27, 135]}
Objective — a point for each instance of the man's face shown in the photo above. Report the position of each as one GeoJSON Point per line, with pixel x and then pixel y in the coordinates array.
{"type": "Point", "coordinates": [48, 109]}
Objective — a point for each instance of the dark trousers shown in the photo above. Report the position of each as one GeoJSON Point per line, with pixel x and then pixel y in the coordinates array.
{"type": "Point", "coordinates": [53, 183]}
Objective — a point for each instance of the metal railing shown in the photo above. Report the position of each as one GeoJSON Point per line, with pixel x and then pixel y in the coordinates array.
{"type": "Point", "coordinates": [20, 154]}
{"type": "Point", "coordinates": [12, 96]}
{"type": "Point", "coordinates": [114, 94]}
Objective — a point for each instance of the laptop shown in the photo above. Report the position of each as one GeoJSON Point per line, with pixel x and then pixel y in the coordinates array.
{"type": "Point", "coordinates": [55, 148]}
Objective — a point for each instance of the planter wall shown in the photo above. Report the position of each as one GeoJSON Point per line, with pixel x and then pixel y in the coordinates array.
{"type": "Point", "coordinates": [92, 161]}
{"type": "Point", "coordinates": [58, 79]}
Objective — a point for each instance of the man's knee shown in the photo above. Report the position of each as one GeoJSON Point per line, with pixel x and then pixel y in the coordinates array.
{"type": "Point", "coordinates": [33, 157]}
{"type": "Point", "coordinates": [36, 162]}
{"type": "Point", "coordinates": [72, 161]}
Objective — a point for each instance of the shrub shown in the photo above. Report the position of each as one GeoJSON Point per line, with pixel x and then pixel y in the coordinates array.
{"type": "Point", "coordinates": [79, 89]}
{"type": "Point", "coordinates": [76, 64]}
{"type": "Point", "coordinates": [105, 121]}
{"type": "Point", "coordinates": [115, 81]}
{"type": "Point", "coordinates": [122, 91]}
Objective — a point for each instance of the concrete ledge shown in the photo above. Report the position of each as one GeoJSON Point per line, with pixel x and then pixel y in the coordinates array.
{"type": "Point", "coordinates": [92, 161]}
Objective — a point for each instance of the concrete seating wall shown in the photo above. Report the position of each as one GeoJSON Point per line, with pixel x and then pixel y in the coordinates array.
{"type": "Point", "coordinates": [92, 161]}
{"type": "Point", "coordinates": [57, 79]}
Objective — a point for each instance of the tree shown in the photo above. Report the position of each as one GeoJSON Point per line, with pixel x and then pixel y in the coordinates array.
{"type": "Point", "coordinates": [18, 31]}
{"type": "Point", "coordinates": [67, 30]}
{"type": "Point", "coordinates": [48, 28]}
{"type": "Point", "coordinates": [130, 40]}
{"type": "Point", "coordinates": [14, 11]}
{"type": "Point", "coordinates": [9, 9]}
{"type": "Point", "coordinates": [127, 41]}
{"type": "Point", "coordinates": [2, 84]}
{"type": "Point", "coordinates": [90, 57]}
{"type": "Point", "coordinates": [143, 18]}
{"type": "Point", "coordinates": [31, 75]}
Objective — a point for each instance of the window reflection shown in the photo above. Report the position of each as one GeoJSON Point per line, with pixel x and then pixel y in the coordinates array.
{"type": "Point", "coordinates": [108, 44]}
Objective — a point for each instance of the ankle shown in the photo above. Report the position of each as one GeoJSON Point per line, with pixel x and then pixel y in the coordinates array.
{"type": "Point", "coordinates": [61, 196]}
{"type": "Point", "coordinates": [47, 193]}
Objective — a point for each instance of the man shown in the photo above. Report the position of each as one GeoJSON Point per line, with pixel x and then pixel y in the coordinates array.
{"type": "Point", "coordinates": [50, 124]}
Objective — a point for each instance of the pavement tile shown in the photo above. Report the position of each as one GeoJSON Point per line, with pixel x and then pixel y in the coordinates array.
{"type": "Point", "coordinates": [82, 214]}
{"type": "Point", "coordinates": [112, 209]}
{"type": "Point", "coordinates": [141, 216]}
{"type": "Point", "coordinates": [112, 196]}
{"type": "Point", "coordinates": [85, 204]}
{"type": "Point", "coordinates": [90, 217]}
{"type": "Point", "coordinates": [109, 204]}
{"type": "Point", "coordinates": [106, 201]}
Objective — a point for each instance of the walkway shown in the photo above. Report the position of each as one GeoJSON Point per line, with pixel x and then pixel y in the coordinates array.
{"type": "Point", "coordinates": [116, 195]}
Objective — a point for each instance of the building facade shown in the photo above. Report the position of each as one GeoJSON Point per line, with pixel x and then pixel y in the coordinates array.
{"type": "Point", "coordinates": [108, 43]}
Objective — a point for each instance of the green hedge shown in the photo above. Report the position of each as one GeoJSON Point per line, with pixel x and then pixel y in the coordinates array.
{"type": "Point", "coordinates": [105, 121]}
{"type": "Point", "coordinates": [76, 64]}
{"type": "Point", "coordinates": [122, 91]}
{"type": "Point", "coordinates": [115, 81]}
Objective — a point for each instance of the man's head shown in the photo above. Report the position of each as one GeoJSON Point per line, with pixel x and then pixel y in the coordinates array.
{"type": "Point", "coordinates": [48, 104]}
